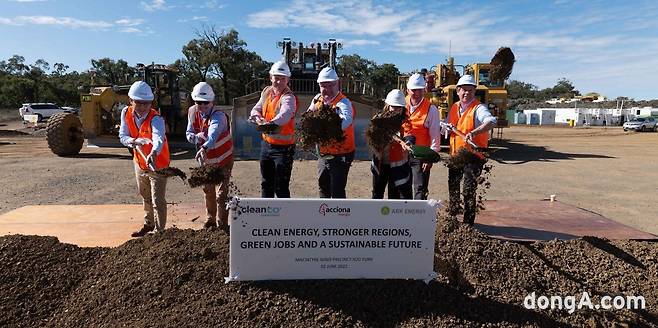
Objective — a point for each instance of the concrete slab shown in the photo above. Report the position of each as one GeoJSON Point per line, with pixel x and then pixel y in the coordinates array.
{"type": "Point", "coordinates": [93, 225]}
{"type": "Point", "coordinates": [533, 220]}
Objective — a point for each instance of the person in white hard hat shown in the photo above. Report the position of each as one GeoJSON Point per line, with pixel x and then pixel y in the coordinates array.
{"type": "Point", "coordinates": [474, 120]}
{"type": "Point", "coordinates": [143, 129]}
{"type": "Point", "coordinates": [277, 105]}
{"type": "Point", "coordinates": [335, 159]}
{"type": "Point", "coordinates": [422, 128]}
{"type": "Point", "coordinates": [208, 128]}
{"type": "Point", "coordinates": [392, 167]}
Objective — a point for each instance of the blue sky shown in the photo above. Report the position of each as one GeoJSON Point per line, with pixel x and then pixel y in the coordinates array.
{"type": "Point", "coordinates": [609, 47]}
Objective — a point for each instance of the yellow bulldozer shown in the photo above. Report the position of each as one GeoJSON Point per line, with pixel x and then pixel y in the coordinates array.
{"type": "Point", "coordinates": [490, 78]}
{"type": "Point", "coordinates": [101, 108]}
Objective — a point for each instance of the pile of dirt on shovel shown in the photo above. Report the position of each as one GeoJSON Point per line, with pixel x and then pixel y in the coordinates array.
{"type": "Point", "coordinates": [175, 279]}
{"type": "Point", "coordinates": [383, 126]}
{"type": "Point", "coordinates": [321, 127]}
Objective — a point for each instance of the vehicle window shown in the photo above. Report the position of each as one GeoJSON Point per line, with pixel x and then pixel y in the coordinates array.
{"type": "Point", "coordinates": [640, 119]}
{"type": "Point", "coordinates": [44, 107]}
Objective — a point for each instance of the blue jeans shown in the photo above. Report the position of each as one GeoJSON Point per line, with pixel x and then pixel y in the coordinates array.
{"type": "Point", "coordinates": [332, 175]}
{"type": "Point", "coordinates": [275, 169]}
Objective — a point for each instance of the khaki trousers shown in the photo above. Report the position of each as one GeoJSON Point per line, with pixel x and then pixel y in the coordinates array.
{"type": "Point", "coordinates": [216, 196]}
{"type": "Point", "coordinates": [152, 188]}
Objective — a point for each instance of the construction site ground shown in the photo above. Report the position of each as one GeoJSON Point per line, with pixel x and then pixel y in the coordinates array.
{"type": "Point", "coordinates": [176, 279]}
{"type": "Point", "coordinates": [604, 170]}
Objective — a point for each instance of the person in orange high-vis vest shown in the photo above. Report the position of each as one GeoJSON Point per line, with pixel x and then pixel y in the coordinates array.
{"type": "Point", "coordinates": [475, 121]}
{"type": "Point", "coordinates": [143, 129]}
{"type": "Point", "coordinates": [277, 105]}
{"type": "Point", "coordinates": [335, 159]}
{"type": "Point", "coordinates": [422, 128]}
{"type": "Point", "coordinates": [209, 129]}
{"type": "Point", "coordinates": [392, 167]}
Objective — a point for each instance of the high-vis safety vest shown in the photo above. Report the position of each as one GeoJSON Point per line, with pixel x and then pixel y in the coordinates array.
{"type": "Point", "coordinates": [221, 152]}
{"type": "Point", "coordinates": [346, 146]}
{"type": "Point", "coordinates": [146, 131]}
{"type": "Point", "coordinates": [465, 124]}
{"type": "Point", "coordinates": [271, 108]}
{"type": "Point", "coordinates": [415, 124]}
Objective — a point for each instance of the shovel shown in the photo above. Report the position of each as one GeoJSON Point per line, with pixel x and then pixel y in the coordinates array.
{"type": "Point", "coordinates": [452, 129]}
{"type": "Point", "coordinates": [150, 164]}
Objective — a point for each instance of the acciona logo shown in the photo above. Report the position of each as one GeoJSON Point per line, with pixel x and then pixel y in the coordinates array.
{"type": "Point", "coordinates": [335, 210]}
{"type": "Point", "coordinates": [263, 211]}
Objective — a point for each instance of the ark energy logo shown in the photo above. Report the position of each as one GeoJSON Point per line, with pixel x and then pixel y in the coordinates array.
{"type": "Point", "coordinates": [263, 210]}
{"type": "Point", "coordinates": [385, 210]}
{"type": "Point", "coordinates": [336, 210]}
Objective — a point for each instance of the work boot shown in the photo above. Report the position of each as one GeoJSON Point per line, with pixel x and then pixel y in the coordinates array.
{"type": "Point", "coordinates": [143, 231]}
{"type": "Point", "coordinates": [210, 225]}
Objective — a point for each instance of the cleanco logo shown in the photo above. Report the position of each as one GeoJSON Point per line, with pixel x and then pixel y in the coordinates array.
{"type": "Point", "coordinates": [342, 211]}
{"type": "Point", "coordinates": [263, 211]}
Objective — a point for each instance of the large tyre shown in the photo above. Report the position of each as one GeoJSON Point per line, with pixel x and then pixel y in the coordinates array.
{"type": "Point", "coordinates": [64, 134]}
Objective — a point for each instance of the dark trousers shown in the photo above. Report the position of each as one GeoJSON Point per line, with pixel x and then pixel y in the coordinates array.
{"type": "Point", "coordinates": [470, 172]}
{"type": "Point", "coordinates": [384, 175]}
{"type": "Point", "coordinates": [332, 175]}
{"type": "Point", "coordinates": [275, 169]}
{"type": "Point", "coordinates": [421, 180]}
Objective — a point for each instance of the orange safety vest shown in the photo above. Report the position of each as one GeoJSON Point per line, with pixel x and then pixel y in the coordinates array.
{"type": "Point", "coordinates": [465, 124]}
{"type": "Point", "coordinates": [145, 131]}
{"type": "Point", "coordinates": [221, 152]}
{"type": "Point", "coordinates": [271, 108]}
{"type": "Point", "coordinates": [415, 124]}
{"type": "Point", "coordinates": [346, 146]}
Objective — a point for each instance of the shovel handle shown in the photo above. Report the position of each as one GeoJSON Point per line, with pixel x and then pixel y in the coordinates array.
{"type": "Point", "coordinates": [463, 136]}
{"type": "Point", "coordinates": [141, 153]}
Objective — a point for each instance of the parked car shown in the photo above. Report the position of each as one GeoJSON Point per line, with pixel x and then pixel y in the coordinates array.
{"type": "Point", "coordinates": [641, 124]}
{"type": "Point", "coordinates": [41, 110]}
{"type": "Point", "coordinates": [73, 110]}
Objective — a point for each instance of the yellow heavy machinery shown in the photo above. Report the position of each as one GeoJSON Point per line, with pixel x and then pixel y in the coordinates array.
{"type": "Point", "coordinates": [101, 108]}
{"type": "Point", "coordinates": [490, 78]}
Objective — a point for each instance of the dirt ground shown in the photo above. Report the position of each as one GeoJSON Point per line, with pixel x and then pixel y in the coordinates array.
{"type": "Point", "coordinates": [604, 170]}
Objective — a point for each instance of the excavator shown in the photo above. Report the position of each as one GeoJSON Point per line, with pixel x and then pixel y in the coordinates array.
{"type": "Point", "coordinates": [101, 107]}
{"type": "Point", "coordinates": [305, 62]}
{"type": "Point", "coordinates": [490, 77]}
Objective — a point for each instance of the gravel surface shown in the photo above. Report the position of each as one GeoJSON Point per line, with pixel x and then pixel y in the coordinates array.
{"type": "Point", "coordinates": [176, 279]}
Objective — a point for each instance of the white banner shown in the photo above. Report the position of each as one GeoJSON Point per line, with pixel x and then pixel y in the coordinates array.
{"type": "Point", "coordinates": [273, 239]}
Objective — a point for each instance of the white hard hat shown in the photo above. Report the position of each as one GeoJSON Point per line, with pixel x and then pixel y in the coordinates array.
{"type": "Point", "coordinates": [395, 98]}
{"type": "Point", "coordinates": [140, 91]}
{"type": "Point", "coordinates": [416, 81]}
{"type": "Point", "coordinates": [280, 68]}
{"type": "Point", "coordinates": [327, 74]}
{"type": "Point", "coordinates": [466, 80]}
{"type": "Point", "coordinates": [202, 91]}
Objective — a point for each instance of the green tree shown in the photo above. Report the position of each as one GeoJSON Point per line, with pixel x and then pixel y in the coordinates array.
{"type": "Point", "coordinates": [521, 90]}
{"type": "Point", "coordinates": [108, 71]}
{"type": "Point", "coordinates": [354, 67]}
{"type": "Point", "coordinates": [383, 78]}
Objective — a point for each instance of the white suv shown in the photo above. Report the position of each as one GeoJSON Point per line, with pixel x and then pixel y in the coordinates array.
{"type": "Point", "coordinates": [41, 110]}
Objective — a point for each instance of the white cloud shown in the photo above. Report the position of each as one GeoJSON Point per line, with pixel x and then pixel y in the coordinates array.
{"type": "Point", "coordinates": [129, 22]}
{"type": "Point", "coordinates": [130, 30]}
{"type": "Point", "coordinates": [57, 21]}
{"type": "Point", "coordinates": [358, 42]}
{"type": "Point", "coordinates": [354, 17]}
{"type": "Point", "coordinates": [194, 19]}
{"type": "Point", "coordinates": [155, 5]}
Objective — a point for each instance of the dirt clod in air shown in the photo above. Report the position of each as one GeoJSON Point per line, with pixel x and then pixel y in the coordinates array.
{"type": "Point", "coordinates": [322, 127]}
{"type": "Point", "coordinates": [383, 126]}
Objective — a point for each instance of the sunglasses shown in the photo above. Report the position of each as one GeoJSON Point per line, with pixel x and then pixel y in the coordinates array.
{"type": "Point", "coordinates": [202, 102]}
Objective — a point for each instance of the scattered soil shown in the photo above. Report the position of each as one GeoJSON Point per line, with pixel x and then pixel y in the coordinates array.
{"type": "Point", "coordinates": [268, 128]}
{"type": "Point", "coordinates": [503, 62]}
{"type": "Point", "coordinates": [172, 172]}
{"type": "Point", "coordinates": [322, 127]}
{"type": "Point", "coordinates": [206, 174]}
{"type": "Point", "coordinates": [483, 181]}
{"type": "Point", "coordinates": [383, 126]}
{"type": "Point", "coordinates": [175, 279]}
